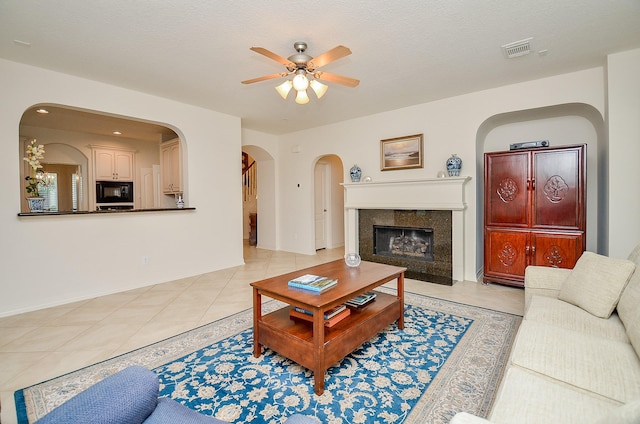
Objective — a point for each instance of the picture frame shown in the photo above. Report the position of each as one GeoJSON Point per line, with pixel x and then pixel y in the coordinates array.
{"type": "Point", "coordinates": [401, 153]}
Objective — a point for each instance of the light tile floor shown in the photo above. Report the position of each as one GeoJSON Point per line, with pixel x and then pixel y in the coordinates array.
{"type": "Point", "coordinates": [43, 344]}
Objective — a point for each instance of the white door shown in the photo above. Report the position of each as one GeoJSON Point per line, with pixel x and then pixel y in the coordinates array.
{"type": "Point", "coordinates": [320, 204]}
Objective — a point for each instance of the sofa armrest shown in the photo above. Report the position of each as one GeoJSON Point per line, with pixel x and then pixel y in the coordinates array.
{"type": "Point", "coordinates": [466, 418]}
{"type": "Point", "coordinates": [128, 396]}
{"type": "Point", "coordinates": [543, 281]}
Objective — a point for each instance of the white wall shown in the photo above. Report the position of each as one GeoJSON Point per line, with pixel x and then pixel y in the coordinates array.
{"type": "Point", "coordinates": [449, 126]}
{"type": "Point", "coordinates": [189, 238]}
{"type": "Point", "coordinates": [90, 255]}
{"type": "Point", "coordinates": [623, 71]}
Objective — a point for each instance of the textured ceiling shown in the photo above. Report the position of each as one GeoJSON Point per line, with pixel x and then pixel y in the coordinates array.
{"type": "Point", "coordinates": [404, 52]}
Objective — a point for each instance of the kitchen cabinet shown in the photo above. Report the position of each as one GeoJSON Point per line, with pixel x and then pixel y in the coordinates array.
{"type": "Point", "coordinates": [113, 164]}
{"type": "Point", "coordinates": [171, 166]}
{"type": "Point", "coordinates": [535, 212]}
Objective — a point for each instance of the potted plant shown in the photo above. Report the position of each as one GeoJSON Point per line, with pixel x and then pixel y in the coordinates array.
{"type": "Point", "coordinates": [35, 153]}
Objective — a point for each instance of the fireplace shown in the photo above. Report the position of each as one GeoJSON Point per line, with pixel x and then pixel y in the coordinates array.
{"type": "Point", "coordinates": [435, 203]}
{"type": "Point", "coordinates": [407, 242]}
{"type": "Point", "coordinates": [419, 240]}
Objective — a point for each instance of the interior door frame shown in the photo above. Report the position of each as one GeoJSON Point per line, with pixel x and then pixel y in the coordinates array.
{"type": "Point", "coordinates": [325, 169]}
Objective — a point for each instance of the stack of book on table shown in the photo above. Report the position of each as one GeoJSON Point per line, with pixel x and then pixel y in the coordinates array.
{"type": "Point", "coordinates": [362, 300]}
{"type": "Point", "coordinates": [331, 317]}
{"type": "Point", "coordinates": [313, 283]}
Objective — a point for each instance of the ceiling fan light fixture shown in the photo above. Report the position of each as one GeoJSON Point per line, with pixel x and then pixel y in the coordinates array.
{"type": "Point", "coordinates": [302, 98]}
{"type": "Point", "coordinates": [300, 82]}
{"type": "Point", "coordinates": [284, 88]}
{"type": "Point", "coordinates": [318, 87]}
{"type": "Point", "coordinates": [300, 66]}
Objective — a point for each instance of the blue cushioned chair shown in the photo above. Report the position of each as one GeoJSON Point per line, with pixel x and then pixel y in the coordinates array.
{"type": "Point", "coordinates": [130, 396]}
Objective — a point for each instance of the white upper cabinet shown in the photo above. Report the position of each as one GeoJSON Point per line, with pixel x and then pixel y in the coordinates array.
{"type": "Point", "coordinates": [113, 164]}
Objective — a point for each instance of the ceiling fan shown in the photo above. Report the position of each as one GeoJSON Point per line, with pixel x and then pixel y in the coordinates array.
{"type": "Point", "coordinates": [306, 71]}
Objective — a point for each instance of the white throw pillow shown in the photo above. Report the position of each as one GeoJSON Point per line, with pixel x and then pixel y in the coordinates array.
{"type": "Point", "coordinates": [596, 282]}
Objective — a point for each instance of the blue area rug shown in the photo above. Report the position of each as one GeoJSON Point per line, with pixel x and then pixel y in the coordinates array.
{"type": "Point", "coordinates": [448, 358]}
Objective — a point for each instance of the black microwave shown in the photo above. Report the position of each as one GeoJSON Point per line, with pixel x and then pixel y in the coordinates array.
{"type": "Point", "coordinates": [114, 192]}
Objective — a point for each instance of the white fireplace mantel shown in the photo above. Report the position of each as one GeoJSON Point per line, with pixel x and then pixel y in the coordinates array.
{"type": "Point", "coordinates": [422, 194]}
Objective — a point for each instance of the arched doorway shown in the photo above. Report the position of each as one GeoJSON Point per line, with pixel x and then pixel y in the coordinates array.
{"type": "Point", "coordinates": [264, 182]}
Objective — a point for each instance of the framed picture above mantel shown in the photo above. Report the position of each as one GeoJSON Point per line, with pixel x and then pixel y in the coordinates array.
{"type": "Point", "coordinates": [401, 153]}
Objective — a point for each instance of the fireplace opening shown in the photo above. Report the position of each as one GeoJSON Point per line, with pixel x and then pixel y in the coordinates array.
{"type": "Point", "coordinates": [403, 242]}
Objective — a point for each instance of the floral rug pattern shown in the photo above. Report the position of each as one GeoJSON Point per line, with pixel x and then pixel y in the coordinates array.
{"type": "Point", "coordinates": [379, 382]}
{"type": "Point", "coordinates": [448, 358]}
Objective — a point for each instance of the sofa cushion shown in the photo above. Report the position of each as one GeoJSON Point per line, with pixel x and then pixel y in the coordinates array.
{"type": "Point", "coordinates": [562, 314]}
{"type": "Point", "coordinates": [596, 282]}
{"type": "Point", "coordinates": [603, 366]}
{"type": "Point", "coordinates": [529, 398]}
{"type": "Point", "coordinates": [629, 310]}
{"type": "Point", "coordinates": [629, 305]}
{"type": "Point", "coordinates": [628, 413]}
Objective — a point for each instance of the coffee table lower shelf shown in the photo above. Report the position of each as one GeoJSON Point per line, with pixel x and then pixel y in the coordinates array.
{"type": "Point", "coordinates": [293, 339]}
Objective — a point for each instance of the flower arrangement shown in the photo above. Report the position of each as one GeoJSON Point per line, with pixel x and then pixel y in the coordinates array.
{"type": "Point", "coordinates": [35, 153]}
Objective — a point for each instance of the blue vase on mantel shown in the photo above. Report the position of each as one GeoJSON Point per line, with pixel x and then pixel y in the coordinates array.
{"type": "Point", "coordinates": [356, 173]}
{"type": "Point", "coordinates": [454, 165]}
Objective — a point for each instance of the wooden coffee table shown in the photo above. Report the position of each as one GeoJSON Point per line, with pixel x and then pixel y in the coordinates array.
{"type": "Point", "coordinates": [313, 345]}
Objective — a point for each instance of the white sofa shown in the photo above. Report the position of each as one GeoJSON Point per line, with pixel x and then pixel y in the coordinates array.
{"type": "Point", "coordinates": [576, 355]}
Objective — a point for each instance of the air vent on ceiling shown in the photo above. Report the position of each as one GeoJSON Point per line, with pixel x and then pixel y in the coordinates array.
{"type": "Point", "coordinates": [517, 48]}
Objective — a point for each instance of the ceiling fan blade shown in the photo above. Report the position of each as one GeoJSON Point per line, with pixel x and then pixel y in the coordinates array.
{"type": "Point", "coordinates": [272, 55]}
{"type": "Point", "coordinates": [328, 57]}
{"type": "Point", "coordinates": [266, 77]}
{"type": "Point", "coordinates": [338, 79]}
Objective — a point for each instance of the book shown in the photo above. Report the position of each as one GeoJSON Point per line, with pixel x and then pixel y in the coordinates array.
{"type": "Point", "coordinates": [313, 282]}
{"type": "Point", "coordinates": [327, 314]}
{"type": "Point", "coordinates": [361, 300]}
{"type": "Point", "coordinates": [294, 314]}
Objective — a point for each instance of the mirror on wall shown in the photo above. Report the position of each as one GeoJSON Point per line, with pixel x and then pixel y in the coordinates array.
{"type": "Point", "coordinates": [84, 147]}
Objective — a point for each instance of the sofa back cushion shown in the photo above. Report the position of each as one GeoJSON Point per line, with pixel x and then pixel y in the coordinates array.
{"type": "Point", "coordinates": [629, 305]}
{"type": "Point", "coordinates": [596, 282]}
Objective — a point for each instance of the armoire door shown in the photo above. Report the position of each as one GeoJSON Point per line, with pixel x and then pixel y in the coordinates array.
{"type": "Point", "coordinates": [557, 184]}
{"type": "Point", "coordinates": [558, 250]}
{"type": "Point", "coordinates": [506, 196]}
{"type": "Point", "coordinates": [505, 254]}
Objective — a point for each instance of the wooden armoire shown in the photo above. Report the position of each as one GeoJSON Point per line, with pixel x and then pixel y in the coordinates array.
{"type": "Point", "coordinates": [534, 211]}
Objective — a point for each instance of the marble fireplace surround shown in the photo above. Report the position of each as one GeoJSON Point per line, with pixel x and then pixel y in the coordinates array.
{"type": "Point", "coordinates": [419, 194]}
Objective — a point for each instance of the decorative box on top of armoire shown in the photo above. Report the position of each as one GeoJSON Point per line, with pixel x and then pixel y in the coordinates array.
{"type": "Point", "coordinates": [534, 211]}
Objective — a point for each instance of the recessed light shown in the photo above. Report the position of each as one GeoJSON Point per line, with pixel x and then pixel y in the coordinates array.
{"type": "Point", "coordinates": [42, 110]}
{"type": "Point", "coordinates": [117, 133]}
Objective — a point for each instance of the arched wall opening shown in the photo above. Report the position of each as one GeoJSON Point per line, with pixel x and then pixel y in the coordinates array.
{"type": "Point", "coordinates": [265, 197]}
{"type": "Point", "coordinates": [72, 135]}
{"type": "Point", "coordinates": [566, 124]}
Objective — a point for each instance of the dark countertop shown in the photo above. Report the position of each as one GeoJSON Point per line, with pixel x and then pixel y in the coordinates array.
{"type": "Point", "coordinates": [102, 212]}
